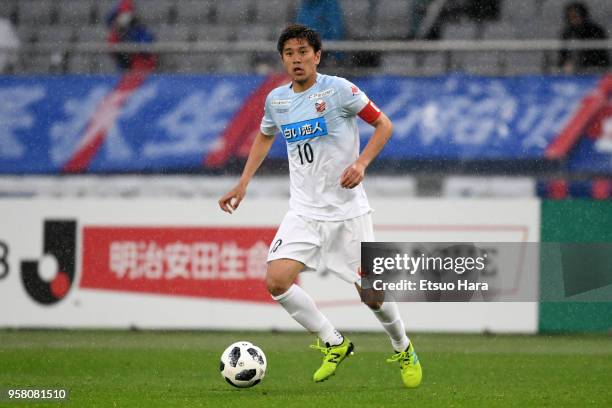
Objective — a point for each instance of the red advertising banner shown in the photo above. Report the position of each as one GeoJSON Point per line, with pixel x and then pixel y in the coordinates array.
{"type": "Point", "coordinates": [223, 263]}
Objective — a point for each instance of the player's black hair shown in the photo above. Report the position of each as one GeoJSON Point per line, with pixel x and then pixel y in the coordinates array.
{"type": "Point", "coordinates": [299, 31]}
{"type": "Point", "coordinates": [579, 8]}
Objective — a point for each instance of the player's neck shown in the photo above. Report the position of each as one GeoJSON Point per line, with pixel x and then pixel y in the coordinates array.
{"type": "Point", "coordinates": [301, 86]}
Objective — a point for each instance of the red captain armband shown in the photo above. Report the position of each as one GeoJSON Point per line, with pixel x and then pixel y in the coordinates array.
{"type": "Point", "coordinates": [370, 113]}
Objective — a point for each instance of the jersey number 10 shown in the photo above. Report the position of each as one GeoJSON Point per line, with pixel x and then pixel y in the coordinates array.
{"type": "Point", "coordinates": [305, 153]}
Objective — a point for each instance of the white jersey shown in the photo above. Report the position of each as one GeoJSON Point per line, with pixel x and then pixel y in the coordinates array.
{"type": "Point", "coordinates": [320, 128]}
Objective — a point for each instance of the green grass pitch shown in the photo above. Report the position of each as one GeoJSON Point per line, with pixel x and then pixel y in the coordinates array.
{"type": "Point", "coordinates": [180, 369]}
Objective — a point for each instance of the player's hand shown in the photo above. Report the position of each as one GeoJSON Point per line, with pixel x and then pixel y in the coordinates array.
{"type": "Point", "coordinates": [352, 175]}
{"type": "Point", "coordinates": [230, 201]}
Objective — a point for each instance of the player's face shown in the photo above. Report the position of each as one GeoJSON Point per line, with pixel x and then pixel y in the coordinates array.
{"type": "Point", "coordinates": [301, 61]}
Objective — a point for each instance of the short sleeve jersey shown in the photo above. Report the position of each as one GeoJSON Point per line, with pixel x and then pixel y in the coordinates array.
{"type": "Point", "coordinates": [319, 126]}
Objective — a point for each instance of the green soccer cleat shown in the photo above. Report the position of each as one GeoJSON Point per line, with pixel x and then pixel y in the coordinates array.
{"type": "Point", "coordinates": [412, 374]}
{"type": "Point", "coordinates": [333, 356]}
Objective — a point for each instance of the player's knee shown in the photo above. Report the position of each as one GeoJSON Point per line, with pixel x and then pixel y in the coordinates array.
{"type": "Point", "coordinates": [276, 286]}
{"type": "Point", "coordinates": [371, 299]}
{"type": "Point", "coordinates": [374, 305]}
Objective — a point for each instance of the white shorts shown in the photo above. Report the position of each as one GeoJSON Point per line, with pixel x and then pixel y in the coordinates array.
{"type": "Point", "coordinates": [333, 246]}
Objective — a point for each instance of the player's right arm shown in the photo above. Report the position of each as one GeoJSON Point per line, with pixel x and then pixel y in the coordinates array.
{"type": "Point", "coordinates": [259, 150]}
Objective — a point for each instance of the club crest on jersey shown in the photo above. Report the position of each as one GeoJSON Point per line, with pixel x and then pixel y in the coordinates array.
{"type": "Point", "coordinates": [306, 129]}
{"type": "Point", "coordinates": [320, 105]}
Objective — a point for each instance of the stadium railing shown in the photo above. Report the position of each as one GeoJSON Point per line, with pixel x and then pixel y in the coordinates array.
{"type": "Point", "coordinates": [450, 49]}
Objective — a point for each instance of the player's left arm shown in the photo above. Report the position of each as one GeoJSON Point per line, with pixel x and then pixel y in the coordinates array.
{"type": "Point", "coordinates": [354, 174]}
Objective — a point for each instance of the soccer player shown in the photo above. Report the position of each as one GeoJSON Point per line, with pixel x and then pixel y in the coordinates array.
{"type": "Point", "coordinates": [329, 213]}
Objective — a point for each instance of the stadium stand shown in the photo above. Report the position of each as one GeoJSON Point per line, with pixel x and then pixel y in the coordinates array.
{"type": "Point", "coordinates": [8, 10]}
{"type": "Point", "coordinates": [90, 33]}
{"type": "Point", "coordinates": [434, 63]}
{"type": "Point", "coordinates": [193, 11]}
{"type": "Point", "coordinates": [480, 63]}
{"type": "Point", "coordinates": [26, 34]}
{"type": "Point", "coordinates": [275, 12]}
{"type": "Point", "coordinates": [392, 12]}
{"type": "Point", "coordinates": [33, 12]}
{"type": "Point", "coordinates": [461, 31]}
{"type": "Point", "coordinates": [552, 13]}
{"type": "Point", "coordinates": [387, 31]}
{"type": "Point", "coordinates": [101, 9]}
{"type": "Point", "coordinates": [174, 33]}
{"type": "Point", "coordinates": [64, 22]}
{"type": "Point", "coordinates": [518, 11]}
{"type": "Point", "coordinates": [56, 34]}
{"type": "Point", "coordinates": [400, 63]}
{"type": "Point", "coordinates": [538, 31]}
{"type": "Point", "coordinates": [255, 32]}
{"type": "Point", "coordinates": [357, 15]}
{"type": "Point", "coordinates": [216, 32]}
{"type": "Point", "coordinates": [155, 12]}
{"type": "Point", "coordinates": [235, 12]}
{"type": "Point", "coordinates": [521, 62]}
{"type": "Point", "coordinates": [500, 31]}
{"type": "Point", "coordinates": [36, 64]}
{"type": "Point", "coordinates": [76, 13]}
{"type": "Point", "coordinates": [191, 63]}
{"type": "Point", "coordinates": [49, 29]}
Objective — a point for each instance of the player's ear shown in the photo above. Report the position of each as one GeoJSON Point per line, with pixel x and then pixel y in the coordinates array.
{"type": "Point", "coordinates": [317, 58]}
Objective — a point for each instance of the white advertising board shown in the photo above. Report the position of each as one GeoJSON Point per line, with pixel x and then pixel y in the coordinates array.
{"type": "Point", "coordinates": [170, 263]}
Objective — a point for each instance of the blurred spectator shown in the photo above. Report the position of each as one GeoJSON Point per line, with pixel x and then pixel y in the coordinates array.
{"type": "Point", "coordinates": [325, 17]}
{"type": "Point", "coordinates": [9, 44]}
{"type": "Point", "coordinates": [482, 10]}
{"type": "Point", "coordinates": [579, 26]}
{"type": "Point", "coordinates": [125, 27]}
{"type": "Point", "coordinates": [441, 12]}
{"type": "Point", "coordinates": [418, 11]}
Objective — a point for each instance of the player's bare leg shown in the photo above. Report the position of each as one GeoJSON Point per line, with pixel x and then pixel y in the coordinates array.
{"type": "Point", "coordinates": [281, 274]}
{"type": "Point", "coordinates": [280, 280]}
{"type": "Point", "coordinates": [388, 315]}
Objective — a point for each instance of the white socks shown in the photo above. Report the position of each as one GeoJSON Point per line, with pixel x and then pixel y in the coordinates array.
{"type": "Point", "coordinates": [302, 308]}
{"type": "Point", "coordinates": [391, 321]}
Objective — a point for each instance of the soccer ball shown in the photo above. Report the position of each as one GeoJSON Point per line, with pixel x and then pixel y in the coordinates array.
{"type": "Point", "coordinates": [243, 364]}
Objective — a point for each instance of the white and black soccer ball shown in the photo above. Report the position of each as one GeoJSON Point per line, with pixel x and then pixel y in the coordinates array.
{"type": "Point", "coordinates": [243, 364]}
